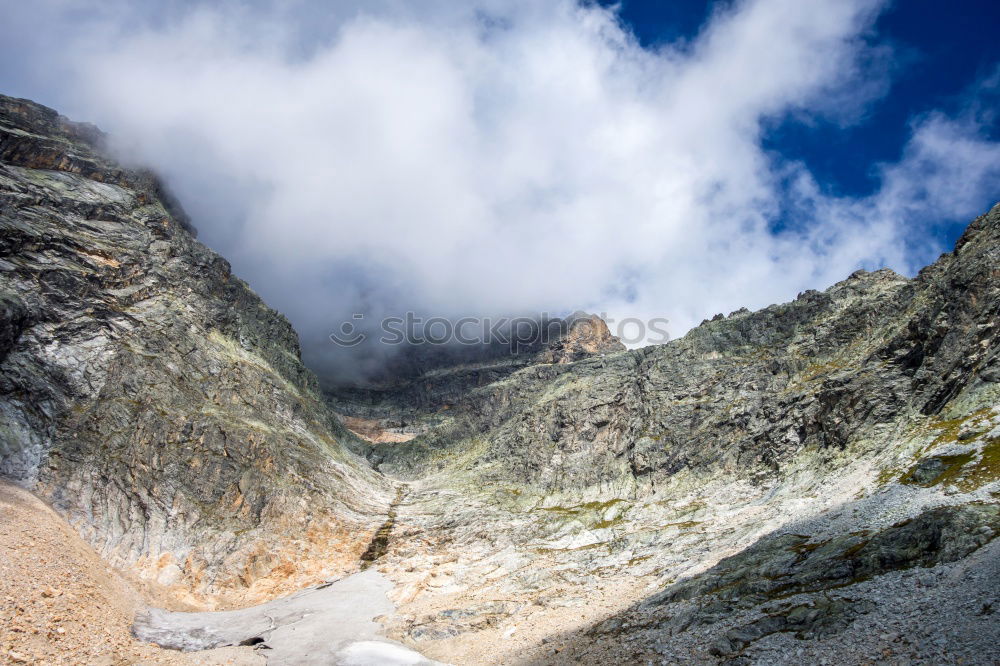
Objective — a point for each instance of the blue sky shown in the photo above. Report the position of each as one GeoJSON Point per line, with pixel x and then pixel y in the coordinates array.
{"type": "Point", "coordinates": [941, 51]}
{"type": "Point", "coordinates": [645, 159]}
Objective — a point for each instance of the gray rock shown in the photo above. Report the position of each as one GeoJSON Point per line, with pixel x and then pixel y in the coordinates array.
{"type": "Point", "coordinates": [145, 391]}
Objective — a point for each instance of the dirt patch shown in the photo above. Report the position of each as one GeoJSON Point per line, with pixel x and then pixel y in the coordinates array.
{"type": "Point", "coordinates": [60, 603]}
{"type": "Point", "coordinates": [375, 431]}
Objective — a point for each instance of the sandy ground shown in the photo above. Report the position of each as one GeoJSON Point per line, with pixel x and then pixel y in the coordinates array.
{"type": "Point", "coordinates": [60, 603]}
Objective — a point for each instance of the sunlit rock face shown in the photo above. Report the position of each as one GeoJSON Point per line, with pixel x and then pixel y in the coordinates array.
{"type": "Point", "coordinates": [585, 335]}
{"type": "Point", "coordinates": [147, 392]}
{"type": "Point", "coordinates": [742, 394]}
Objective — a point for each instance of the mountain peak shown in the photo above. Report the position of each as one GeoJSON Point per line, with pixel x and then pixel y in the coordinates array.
{"type": "Point", "coordinates": [582, 335]}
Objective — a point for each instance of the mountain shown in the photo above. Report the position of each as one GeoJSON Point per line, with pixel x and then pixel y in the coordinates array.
{"type": "Point", "coordinates": [149, 394]}
{"type": "Point", "coordinates": [815, 481]}
{"type": "Point", "coordinates": [771, 476]}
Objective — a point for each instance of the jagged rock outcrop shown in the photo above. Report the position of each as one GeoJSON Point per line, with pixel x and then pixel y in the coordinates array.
{"type": "Point", "coordinates": [866, 357]}
{"type": "Point", "coordinates": [585, 335]}
{"type": "Point", "coordinates": [148, 393]}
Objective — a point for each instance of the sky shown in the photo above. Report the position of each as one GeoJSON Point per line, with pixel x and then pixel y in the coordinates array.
{"type": "Point", "coordinates": [666, 160]}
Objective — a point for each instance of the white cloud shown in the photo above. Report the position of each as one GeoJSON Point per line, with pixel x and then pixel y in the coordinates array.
{"type": "Point", "coordinates": [508, 157]}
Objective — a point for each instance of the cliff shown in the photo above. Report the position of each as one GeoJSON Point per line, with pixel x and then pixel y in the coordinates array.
{"type": "Point", "coordinates": [148, 393]}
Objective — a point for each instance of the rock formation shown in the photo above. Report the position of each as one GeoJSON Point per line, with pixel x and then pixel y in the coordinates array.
{"type": "Point", "coordinates": [149, 394]}
{"type": "Point", "coordinates": [815, 481]}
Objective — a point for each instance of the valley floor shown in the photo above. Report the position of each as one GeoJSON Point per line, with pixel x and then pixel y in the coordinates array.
{"type": "Point", "coordinates": [60, 603]}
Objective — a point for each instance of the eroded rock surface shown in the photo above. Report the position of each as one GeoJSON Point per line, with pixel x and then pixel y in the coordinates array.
{"type": "Point", "coordinates": [148, 393]}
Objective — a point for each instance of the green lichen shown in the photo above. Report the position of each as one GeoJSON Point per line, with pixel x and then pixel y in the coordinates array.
{"type": "Point", "coordinates": [233, 351]}
{"type": "Point", "coordinates": [850, 552]}
{"type": "Point", "coordinates": [590, 546]}
{"type": "Point", "coordinates": [582, 508]}
{"type": "Point", "coordinates": [967, 471]}
{"type": "Point", "coordinates": [815, 370]}
{"type": "Point", "coordinates": [986, 469]}
{"type": "Point", "coordinates": [950, 469]}
{"type": "Point", "coordinates": [638, 560]}
{"type": "Point", "coordinates": [949, 430]}
{"type": "Point", "coordinates": [805, 547]}
{"type": "Point", "coordinates": [886, 476]}
{"type": "Point", "coordinates": [604, 524]}
{"type": "Point", "coordinates": [684, 525]}
{"type": "Point", "coordinates": [594, 515]}
{"type": "Point", "coordinates": [692, 507]}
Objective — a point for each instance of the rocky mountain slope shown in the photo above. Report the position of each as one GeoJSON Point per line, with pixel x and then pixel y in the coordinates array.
{"type": "Point", "coordinates": [823, 446]}
{"type": "Point", "coordinates": [848, 439]}
{"type": "Point", "coordinates": [422, 380]}
{"type": "Point", "coordinates": [817, 481]}
{"type": "Point", "coordinates": [149, 394]}
{"type": "Point", "coordinates": [872, 353]}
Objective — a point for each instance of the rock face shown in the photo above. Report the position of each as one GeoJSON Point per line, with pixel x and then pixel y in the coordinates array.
{"type": "Point", "coordinates": [869, 408]}
{"type": "Point", "coordinates": [585, 335]}
{"type": "Point", "coordinates": [816, 481]}
{"type": "Point", "coordinates": [148, 393]}
{"type": "Point", "coordinates": [743, 393]}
